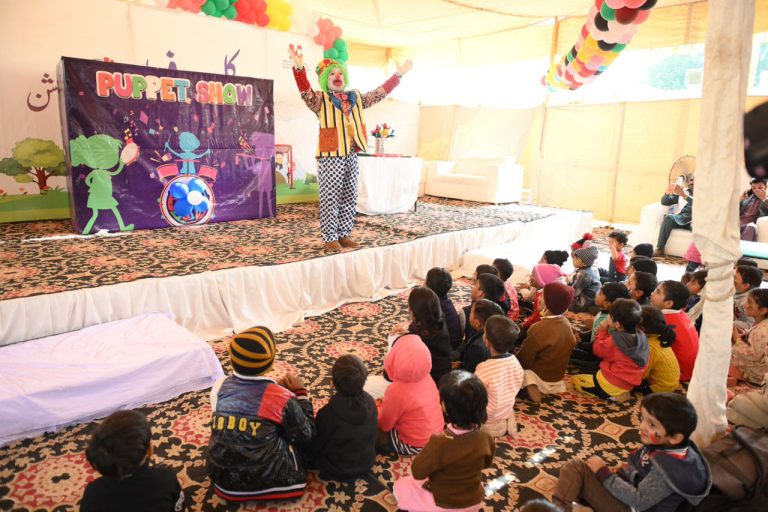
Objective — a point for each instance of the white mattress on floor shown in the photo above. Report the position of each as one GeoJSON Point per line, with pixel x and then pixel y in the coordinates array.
{"type": "Point", "coordinates": [56, 381]}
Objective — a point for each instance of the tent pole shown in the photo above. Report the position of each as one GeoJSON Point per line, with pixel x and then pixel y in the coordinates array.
{"type": "Point", "coordinates": [715, 208]}
{"type": "Point", "coordinates": [545, 107]}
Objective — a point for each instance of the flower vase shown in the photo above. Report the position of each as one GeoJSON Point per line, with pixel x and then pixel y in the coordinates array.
{"type": "Point", "coordinates": [379, 145]}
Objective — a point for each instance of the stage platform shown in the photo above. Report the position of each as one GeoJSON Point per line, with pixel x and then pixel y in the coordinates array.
{"type": "Point", "coordinates": [224, 277]}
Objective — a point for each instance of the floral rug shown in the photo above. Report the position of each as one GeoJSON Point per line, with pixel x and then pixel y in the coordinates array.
{"type": "Point", "coordinates": [47, 257]}
{"type": "Point", "coordinates": [49, 473]}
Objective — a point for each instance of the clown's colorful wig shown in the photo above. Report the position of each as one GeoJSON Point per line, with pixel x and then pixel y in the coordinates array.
{"type": "Point", "coordinates": [324, 68]}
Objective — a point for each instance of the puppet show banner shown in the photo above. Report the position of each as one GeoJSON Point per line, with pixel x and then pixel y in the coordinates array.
{"type": "Point", "coordinates": [151, 147]}
{"type": "Point", "coordinates": [34, 34]}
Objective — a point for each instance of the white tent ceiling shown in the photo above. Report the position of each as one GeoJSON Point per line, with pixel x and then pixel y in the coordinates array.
{"type": "Point", "coordinates": [399, 23]}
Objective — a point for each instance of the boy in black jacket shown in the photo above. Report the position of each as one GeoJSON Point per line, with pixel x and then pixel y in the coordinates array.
{"type": "Point", "coordinates": [345, 445]}
{"type": "Point", "coordinates": [120, 450]}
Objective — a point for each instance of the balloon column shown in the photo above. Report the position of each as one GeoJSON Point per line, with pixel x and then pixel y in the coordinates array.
{"type": "Point", "coordinates": [610, 26]}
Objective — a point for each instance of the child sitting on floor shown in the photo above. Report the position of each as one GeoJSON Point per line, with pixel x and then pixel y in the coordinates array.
{"type": "Point", "coordinates": [502, 375]}
{"type": "Point", "coordinates": [641, 285]}
{"type": "Point", "coordinates": [663, 371]}
{"type": "Point", "coordinates": [447, 474]}
{"type": "Point", "coordinates": [345, 445]}
{"type": "Point", "coordinates": [554, 257]}
{"type": "Point", "coordinates": [750, 349]}
{"type": "Point", "coordinates": [440, 281]}
{"type": "Point", "coordinates": [665, 472]}
{"type": "Point", "coordinates": [623, 353]}
{"type": "Point", "coordinates": [545, 352]}
{"type": "Point", "coordinates": [426, 321]}
{"type": "Point", "coordinates": [695, 283]}
{"type": "Point", "coordinates": [474, 351]}
{"type": "Point", "coordinates": [617, 264]}
{"type": "Point", "coordinates": [542, 275]}
{"type": "Point", "coordinates": [487, 286]}
{"type": "Point", "coordinates": [260, 428]}
{"type": "Point", "coordinates": [582, 356]}
{"type": "Point", "coordinates": [750, 408]}
{"type": "Point", "coordinates": [642, 250]}
{"type": "Point", "coordinates": [120, 450]}
{"type": "Point", "coordinates": [410, 411]}
{"type": "Point", "coordinates": [642, 264]}
{"type": "Point", "coordinates": [670, 297]}
{"type": "Point", "coordinates": [585, 281]}
{"type": "Point", "coordinates": [505, 268]}
{"type": "Point", "coordinates": [745, 278]}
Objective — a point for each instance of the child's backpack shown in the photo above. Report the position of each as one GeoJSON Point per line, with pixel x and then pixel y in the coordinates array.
{"type": "Point", "coordinates": [739, 466]}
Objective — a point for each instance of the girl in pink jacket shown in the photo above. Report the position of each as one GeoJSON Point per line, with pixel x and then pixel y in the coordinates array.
{"type": "Point", "coordinates": [410, 411]}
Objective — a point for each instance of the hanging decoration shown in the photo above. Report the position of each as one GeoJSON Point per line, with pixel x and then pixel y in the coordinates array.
{"type": "Point", "coordinates": [279, 15]}
{"type": "Point", "coordinates": [610, 26]}
{"type": "Point", "coordinates": [220, 8]}
{"type": "Point", "coordinates": [252, 11]}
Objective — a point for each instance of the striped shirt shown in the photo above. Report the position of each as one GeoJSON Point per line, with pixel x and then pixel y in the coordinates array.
{"type": "Point", "coordinates": [502, 376]}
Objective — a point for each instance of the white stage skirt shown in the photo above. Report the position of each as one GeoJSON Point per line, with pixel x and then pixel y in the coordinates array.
{"type": "Point", "coordinates": [214, 304]}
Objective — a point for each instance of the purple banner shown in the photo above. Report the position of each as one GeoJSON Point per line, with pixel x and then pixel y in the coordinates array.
{"type": "Point", "coordinates": [151, 147]}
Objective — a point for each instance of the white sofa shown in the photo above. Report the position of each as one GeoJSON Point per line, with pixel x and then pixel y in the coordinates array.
{"type": "Point", "coordinates": [487, 180]}
{"type": "Point", "coordinates": [651, 217]}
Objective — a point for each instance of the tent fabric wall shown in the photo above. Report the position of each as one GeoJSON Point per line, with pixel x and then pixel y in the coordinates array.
{"type": "Point", "coordinates": [453, 133]}
{"type": "Point", "coordinates": [613, 158]}
{"type": "Point", "coordinates": [578, 158]}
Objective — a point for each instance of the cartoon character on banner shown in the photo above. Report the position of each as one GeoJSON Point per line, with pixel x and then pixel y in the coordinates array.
{"type": "Point", "coordinates": [187, 198]}
{"type": "Point", "coordinates": [100, 153]}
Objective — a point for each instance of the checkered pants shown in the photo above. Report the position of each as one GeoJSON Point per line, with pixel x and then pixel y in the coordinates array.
{"type": "Point", "coordinates": [337, 177]}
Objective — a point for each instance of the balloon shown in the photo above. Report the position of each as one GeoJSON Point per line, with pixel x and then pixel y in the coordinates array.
{"type": "Point", "coordinates": [601, 23]}
{"type": "Point", "coordinates": [204, 205]}
{"type": "Point", "coordinates": [607, 13]}
{"type": "Point", "coordinates": [230, 12]}
{"type": "Point", "coordinates": [221, 4]}
{"type": "Point", "coordinates": [198, 185]}
{"type": "Point", "coordinates": [182, 208]}
{"type": "Point", "coordinates": [634, 4]}
{"type": "Point", "coordinates": [262, 19]}
{"type": "Point", "coordinates": [649, 4]}
{"type": "Point", "coordinates": [179, 190]}
{"type": "Point", "coordinates": [606, 47]}
{"type": "Point", "coordinates": [209, 8]}
{"type": "Point", "coordinates": [331, 53]}
{"type": "Point", "coordinates": [340, 45]}
{"type": "Point", "coordinates": [615, 4]}
{"type": "Point", "coordinates": [642, 16]}
{"type": "Point", "coordinates": [626, 15]}
{"type": "Point", "coordinates": [343, 57]}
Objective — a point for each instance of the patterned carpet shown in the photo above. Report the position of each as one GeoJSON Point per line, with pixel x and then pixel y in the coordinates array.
{"type": "Point", "coordinates": [49, 473]}
{"type": "Point", "coordinates": [46, 257]}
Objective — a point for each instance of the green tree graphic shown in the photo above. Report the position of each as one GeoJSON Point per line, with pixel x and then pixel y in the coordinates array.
{"type": "Point", "coordinates": [34, 161]}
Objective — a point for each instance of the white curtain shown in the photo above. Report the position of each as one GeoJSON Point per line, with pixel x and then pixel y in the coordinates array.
{"type": "Point", "coordinates": [715, 210]}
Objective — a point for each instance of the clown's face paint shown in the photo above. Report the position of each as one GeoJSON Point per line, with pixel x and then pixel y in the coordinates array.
{"type": "Point", "coordinates": [336, 80]}
{"type": "Point", "coordinates": [651, 430]}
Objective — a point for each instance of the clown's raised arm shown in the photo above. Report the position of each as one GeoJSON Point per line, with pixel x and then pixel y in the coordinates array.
{"type": "Point", "coordinates": [333, 78]}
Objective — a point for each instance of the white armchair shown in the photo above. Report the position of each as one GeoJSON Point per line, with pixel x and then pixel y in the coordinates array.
{"type": "Point", "coordinates": [651, 217]}
{"type": "Point", "coordinates": [476, 179]}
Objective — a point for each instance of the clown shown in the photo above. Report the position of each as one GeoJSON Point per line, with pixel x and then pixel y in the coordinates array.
{"type": "Point", "coordinates": [342, 135]}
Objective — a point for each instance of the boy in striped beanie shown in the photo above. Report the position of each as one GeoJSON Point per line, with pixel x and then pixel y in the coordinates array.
{"type": "Point", "coordinates": [260, 428]}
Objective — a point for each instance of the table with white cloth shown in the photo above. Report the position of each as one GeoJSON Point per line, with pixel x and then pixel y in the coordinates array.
{"type": "Point", "coordinates": [388, 184]}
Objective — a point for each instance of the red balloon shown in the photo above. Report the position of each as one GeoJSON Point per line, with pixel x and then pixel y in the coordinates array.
{"type": "Point", "coordinates": [625, 16]}
{"type": "Point", "coordinates": [262, 19]}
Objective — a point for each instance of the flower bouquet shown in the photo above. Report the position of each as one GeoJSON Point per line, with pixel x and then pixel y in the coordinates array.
{"type": "Point", "coordinates": [382, 132]}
